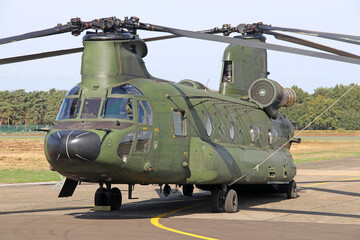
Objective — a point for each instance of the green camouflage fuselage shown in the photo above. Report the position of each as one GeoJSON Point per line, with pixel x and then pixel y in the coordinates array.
{"type": "Point", "coordinates": [189, 135]}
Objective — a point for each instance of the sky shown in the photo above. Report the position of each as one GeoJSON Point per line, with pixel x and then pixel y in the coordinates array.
{"type": "Point", "coordinates": [181, 58]}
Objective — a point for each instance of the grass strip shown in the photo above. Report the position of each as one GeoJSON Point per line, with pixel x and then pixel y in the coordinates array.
{"type": "Point", "coordinates": [22, 176]}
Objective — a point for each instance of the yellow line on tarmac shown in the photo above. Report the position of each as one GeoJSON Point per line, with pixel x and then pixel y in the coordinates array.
{"type": "Point", "coordinates": [155, 222]}
{"type": "Point", "coordinates": [349, 179]}
{"type": "Point", "coordinates": [342, 180]}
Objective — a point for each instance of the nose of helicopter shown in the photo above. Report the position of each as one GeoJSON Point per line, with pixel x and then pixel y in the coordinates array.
{"type": "Point", "coordinates": [73, 146]}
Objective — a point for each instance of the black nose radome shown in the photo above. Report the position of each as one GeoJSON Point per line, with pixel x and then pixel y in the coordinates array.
{"type": "Point", "coordinates": [73, 146]}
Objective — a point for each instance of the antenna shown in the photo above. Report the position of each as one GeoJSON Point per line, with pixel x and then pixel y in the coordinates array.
{"type": "Point", "coordinates": [206, 87]}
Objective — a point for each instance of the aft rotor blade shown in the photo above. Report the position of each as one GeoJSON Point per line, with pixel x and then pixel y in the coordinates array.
{"type": "Point", "coordinates": [307, 43]}
{"type": "Point", "coordinates": [247, 43]}
{"type": "Point", "coordinates": [42, 33]}
{"type": "Point", "coordinates": [333, 36]}
{"type": "Point", "coordinates": [40, 55]}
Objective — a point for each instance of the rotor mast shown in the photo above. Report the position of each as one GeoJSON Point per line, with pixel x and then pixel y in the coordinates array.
{"type": "Point", "coordinates": [242, 66]}
{"type": "Point", "coordinates": [112, 58]}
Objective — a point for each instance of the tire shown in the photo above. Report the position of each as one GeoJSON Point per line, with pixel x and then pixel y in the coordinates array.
{"type": "Point", "coordinates": [217, 200]}
{"type": "Point", "coordinates": [231, 201]}
{"type": "Point", "coordinates": [188, 190]}
{"type": "Point", "coordinates": [100, 197]}
{"type": "Point", "coordinates": [291, 190]}
{"type": "Point", "coordinates": [167, 190]}
{"type": "Point", "coordinates": [116, 199]}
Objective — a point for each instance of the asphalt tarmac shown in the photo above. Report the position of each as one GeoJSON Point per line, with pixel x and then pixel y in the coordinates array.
{"type": "Point", "coordinates": [328, 208]}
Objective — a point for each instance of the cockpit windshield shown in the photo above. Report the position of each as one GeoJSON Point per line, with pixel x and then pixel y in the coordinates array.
{"type": "Point", "coordinates": [91, 108]}
{"type": "Point", "coordinates": [119, 108]}
{"type": "Point", "coordinates": [69, 108]}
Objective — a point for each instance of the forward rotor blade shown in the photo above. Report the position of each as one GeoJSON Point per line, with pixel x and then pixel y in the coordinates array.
{"type": "Point", "coordinates": [160, 38]}
{"type": "Point", "coordinates": [242, 42]}
{"type": "Point", "coordinates": [307, 43]}
{"type": "Point", "coordinates": [36, 56]}
{"type": "Point", "coordinates": [42, 33]}
{"type": "Point", "coordinates": [40, 55]}
{"type": "Point", "coordinates": [333, 36]}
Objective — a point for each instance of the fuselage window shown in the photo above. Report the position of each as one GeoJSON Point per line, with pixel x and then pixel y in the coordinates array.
{"type": "Point", "coordinates": [143, 142]}
{"type": "Point", "coordinates": [141, 113]}
{"type": "Point", "coordinates": [232, 130]}
{"type": "Point", "coordinates": [126, 89]}
{"type": "Point", "coordinates": [124, 147]}
{"type": "Point", "coordinates": [91, 108]}
{"type": "Point", "coordinates": [69, 108]}
{"type": "Point", "coordinates": [254, 133]}
{"type": "Point", "coordinates": [120, 108]}
{"type": "Point", "coordinates": [208, 126]}
{"type": "Point", "coordinates": [272, 136]}
{"type": "Point", "coordinates": [179, 123]}
{"type": "Point", "coordinates": [149, 118]}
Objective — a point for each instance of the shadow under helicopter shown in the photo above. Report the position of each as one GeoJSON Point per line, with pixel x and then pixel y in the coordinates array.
{"type": "Point", "coordinates": [199, 203]}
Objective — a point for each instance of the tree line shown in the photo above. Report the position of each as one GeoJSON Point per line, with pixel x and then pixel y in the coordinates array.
{"type": "Point", "coordinates": [41, 108]}
{"type": "Point", "coordinates": [345, 114]}
{"type": "Point", "coordinates": [30, 108]}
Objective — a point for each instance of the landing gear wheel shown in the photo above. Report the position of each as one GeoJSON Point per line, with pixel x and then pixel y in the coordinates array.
{"type": "Point", "coordinates": [167, 190]}
{"type": "Point", "coordinates": [231, 201]}
{"type": "Point", "coordinates": [188, 190]}
{"type": "Point", "coordinates": [116, 199]}
{"type": "Point", "coordinates": [291, 190]}
{"type": "Point", "coordinates": [100, 197]}
{"type": "Point", "coordinates": [217, 200]}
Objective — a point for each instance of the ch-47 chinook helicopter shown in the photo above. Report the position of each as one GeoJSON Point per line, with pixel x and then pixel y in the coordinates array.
{"type": "Point", "coordinates": [120, 125]}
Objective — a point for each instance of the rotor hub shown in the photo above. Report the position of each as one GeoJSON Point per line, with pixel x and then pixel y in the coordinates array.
{"type": "Point", "coordinates": [107, 36]}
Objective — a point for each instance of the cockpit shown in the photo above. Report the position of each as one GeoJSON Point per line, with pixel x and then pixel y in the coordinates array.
{"type": "Point", "coordinates": [119, 104]}
{"type": "Point", "coordinates": [101, 112]}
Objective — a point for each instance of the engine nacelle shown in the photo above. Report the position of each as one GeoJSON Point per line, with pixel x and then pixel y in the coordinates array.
{"type": "Point", "coordinates": [269, 93]}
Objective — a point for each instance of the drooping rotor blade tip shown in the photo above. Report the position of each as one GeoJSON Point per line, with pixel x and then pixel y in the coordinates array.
{"type": "Point", "coordinates": [332, 36]}
{"type": "Point", "coordinates": [310, 44]}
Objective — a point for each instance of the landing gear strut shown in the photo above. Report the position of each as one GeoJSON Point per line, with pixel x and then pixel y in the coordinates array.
{"type": "Point", "coordinates": [291, 190]}
{"type": "Point", "coordinates": [188, 190]}
{"type": "Point", "coordinates": [108, 197]}
{"type": "Point", "coordinates": [223, 198]}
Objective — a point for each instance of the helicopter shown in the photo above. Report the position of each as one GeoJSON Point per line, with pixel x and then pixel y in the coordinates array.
{"type": "Point", "coordinates": [121, 125]}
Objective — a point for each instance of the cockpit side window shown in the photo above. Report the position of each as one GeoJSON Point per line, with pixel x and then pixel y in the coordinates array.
{"type": "Point", "coordinates": [144, 112]}
{"type": "Point", "coordinates": [124, 147]}
{"type": "Point", "coordinates": [143, 142]}
{"type": "Point", "coordinates": [141, 113]}
{"type": "Point", "coordinates": [69, 109]}
{"type": "Point", "coordinates": [126, 89]}
{"type": "Point", "coordinates": [149, 117]}
{"type": "Point", "coordinates": [119, 108]}
{"type": "Point", "coordinates": [91, 108]}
